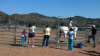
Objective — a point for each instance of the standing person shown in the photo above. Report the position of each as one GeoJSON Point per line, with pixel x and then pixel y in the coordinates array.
{"type": "Point", "coordinates": [11, 27]}
{"type": "Point", "coordinates": [70, 39]}
{"type": "Point", "coordinates": [24, 36]}
{"type": "Point", "coordinates": [93, 36]}
{"type": "Point", "coordinates": [46, 36]}
{"type": "Point", "coordinates": [31, 34]}
{"type": "Point", "coordinates": [5, 27]}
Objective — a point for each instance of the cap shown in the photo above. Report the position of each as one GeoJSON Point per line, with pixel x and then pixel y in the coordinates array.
{"type": "Point", "coordinates": [70, 18]}
{"type": "Point", "coordinates": [93, 25]}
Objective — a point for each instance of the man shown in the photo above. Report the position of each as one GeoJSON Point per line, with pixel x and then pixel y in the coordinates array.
{"type": "Point", "coordinates": [93, 36]}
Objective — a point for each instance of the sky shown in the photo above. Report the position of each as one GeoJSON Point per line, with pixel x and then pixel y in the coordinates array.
{"type": "Point", "coordinates": [84, 8]}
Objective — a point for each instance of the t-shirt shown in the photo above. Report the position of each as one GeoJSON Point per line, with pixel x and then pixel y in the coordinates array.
{"type": "Point", "coordinates": [71, 22]}
{"type": "Point", "coordinates": [94, 31]}
{"type": "Point", "coordinates": [23, 33]}
{"type": "Point", "coordinates": [31, 30]}
{"type": "Point", "coordinates": [71, 34]}
{"type": "Point", "coordinates": [47, 31]}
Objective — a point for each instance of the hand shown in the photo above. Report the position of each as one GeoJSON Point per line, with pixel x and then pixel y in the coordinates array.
{"type": "Point", "coordinates": [75, 38]}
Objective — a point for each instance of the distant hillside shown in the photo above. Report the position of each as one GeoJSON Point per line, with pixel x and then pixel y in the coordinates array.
{"type": "Point", "coordinates": [41, 20]}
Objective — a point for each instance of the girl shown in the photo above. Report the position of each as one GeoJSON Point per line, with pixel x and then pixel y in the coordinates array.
{"type": "Point", "coordinates": [70, 39]}
{"type": "Point", "coordinates": [23, 36]}
{"type": "Point", "coordinates": [31, 34]}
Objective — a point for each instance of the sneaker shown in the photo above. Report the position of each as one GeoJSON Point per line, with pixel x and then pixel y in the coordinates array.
{"type": "Point", "coordinates": [33, 46]}
{"type": "Point", "coordinates": [28, 45]}
{"type": "Point", "coordinates": [88, 41]}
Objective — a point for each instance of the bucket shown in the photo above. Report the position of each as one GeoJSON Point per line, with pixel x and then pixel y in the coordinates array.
{"type": "Point", "coordinates": [79, 44]}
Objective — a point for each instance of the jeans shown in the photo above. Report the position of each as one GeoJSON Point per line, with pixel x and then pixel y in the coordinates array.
{"type": "Point", "coordinates": [46, 38]}
{"type": "Point", "coordinates": [70, 44]}
{"type": "Point", "coordinates": [93, 37]}
{"type": "Point", "coordinates": [23, 40]}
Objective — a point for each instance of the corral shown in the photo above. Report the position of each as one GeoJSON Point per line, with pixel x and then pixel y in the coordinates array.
{"type": "Point", "coordinates": [10, 41]}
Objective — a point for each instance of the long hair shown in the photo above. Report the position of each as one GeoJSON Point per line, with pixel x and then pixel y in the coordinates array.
{"type": "Point", "coordinates": [30, 24]}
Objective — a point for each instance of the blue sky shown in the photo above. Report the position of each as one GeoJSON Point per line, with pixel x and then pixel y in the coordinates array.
{"type": "Point", "coordinates": [85, 8]}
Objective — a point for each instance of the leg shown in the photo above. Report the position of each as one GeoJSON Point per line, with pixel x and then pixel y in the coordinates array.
{"type": "Point", "coordinates": [44, 41]}
{"type": "Point", "coordinates": [59, 37]}
{"type": "Point", "coordinates": [25, 38]}
{"type": "Point", "coordinates": [22, 41]}
{"type": "Point", "coordinates": [47, 40]}
{"type": "Point", "coordinates": [32, 39]}
{"type": "Point", "coordinates": [89, 38]}
{"type": "Point", "coordinates": [65, 34]}
{"type": "Point", "coordinates": [28, 40]}
{"type": "Point", "coordinates": [71, 44]}
{"type": "Point", "coordinates": [94, 37]}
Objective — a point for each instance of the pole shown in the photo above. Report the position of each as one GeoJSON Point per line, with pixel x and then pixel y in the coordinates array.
{"type": "Point", "coordinates": [15, 35]}
{"type": "Point", "coordinates": [57, 33]}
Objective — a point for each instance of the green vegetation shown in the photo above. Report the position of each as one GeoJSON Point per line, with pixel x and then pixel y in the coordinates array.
{"type": "Point", "coordinates": [42, 20]}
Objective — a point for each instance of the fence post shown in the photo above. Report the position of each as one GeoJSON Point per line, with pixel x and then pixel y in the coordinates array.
{"type": "Point", "coordinates": [3, 31]}
{"type": "Point", "coordinates": [15, 34]}
{"type": "Point", "coordinates": [57, 33]}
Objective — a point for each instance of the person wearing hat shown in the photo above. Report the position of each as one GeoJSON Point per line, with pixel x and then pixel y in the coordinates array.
{"type": "Point", "coordinates": [93, 36]}
{"type": "Point", "coordinates": [70, 23]}
{"type": "Point", "coordinates": [70, 39]}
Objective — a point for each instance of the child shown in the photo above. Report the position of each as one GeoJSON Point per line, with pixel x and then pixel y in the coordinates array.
{"type": "Point", "coordinates": [70, 39]}
{"type": "Point", "coordinates": [23, 36]}
{"type": "Point", "coordinates": [31, 34]}
{"type": "Point", "coordinates": [70, 23]}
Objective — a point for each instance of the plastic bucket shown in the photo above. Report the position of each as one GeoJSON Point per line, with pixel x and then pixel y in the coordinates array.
{"type": "Point", "coordinates": [79, 45]}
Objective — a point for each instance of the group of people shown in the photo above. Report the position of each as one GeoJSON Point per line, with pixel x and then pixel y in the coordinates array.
{"type": "Point", "coordinates": [47, 31]}
{"type": "Point", "coordinates": [31, 35]}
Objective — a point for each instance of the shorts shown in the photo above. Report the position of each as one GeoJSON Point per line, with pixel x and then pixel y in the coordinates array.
{"type": "Point", "coordinates": [30, 35]}
{"type": "Point", "coordinates": [93, 37]}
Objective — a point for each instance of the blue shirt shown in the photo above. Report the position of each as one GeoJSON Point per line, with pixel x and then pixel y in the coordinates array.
{"type": "Point", "coordinates": [71, 34]}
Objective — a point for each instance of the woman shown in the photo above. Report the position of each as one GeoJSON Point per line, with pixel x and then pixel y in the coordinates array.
{"type": "Point", "coordinates": [31, 34]}
{"type": "Point", "coordinates": [70, 39]}
{"type": "Point", "coordinates": [46, 36]}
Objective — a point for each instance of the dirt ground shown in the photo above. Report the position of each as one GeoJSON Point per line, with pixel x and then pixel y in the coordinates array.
{"type": "Point", "coordinates": [8, 48]}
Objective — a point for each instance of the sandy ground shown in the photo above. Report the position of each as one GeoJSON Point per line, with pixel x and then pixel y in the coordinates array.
{"type": "Point", "coordinates": [7, 48]}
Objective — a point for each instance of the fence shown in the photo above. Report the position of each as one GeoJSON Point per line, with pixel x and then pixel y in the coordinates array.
{"type": "Point", "coordinates": [82, 36]}
{"type": "Point", "coordinates": [13, 36]}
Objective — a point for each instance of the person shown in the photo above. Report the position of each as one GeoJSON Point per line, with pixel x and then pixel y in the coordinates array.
{"type": "Point", "coordinates": [70, 23]}
{"type": "Point", "coordinates": [93, 36]}
{"type": "Point", "coordinates": [70, 39]}
{"type": "Point", "coordinates": [11, 27]}
{"type": "Point", "coordinates": [31, 35]}
{"type": "Point", "coordinates": [5, 27]}
{"type": "Point", "coordinates": [24, 36]}
{"type": "Point", "coordinates": [46, 36]}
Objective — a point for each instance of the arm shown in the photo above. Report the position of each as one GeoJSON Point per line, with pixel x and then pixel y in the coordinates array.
{"type": "Point", "coordinates": [74, 37]}
{"type": "Point", "coordinates": [43, 31]}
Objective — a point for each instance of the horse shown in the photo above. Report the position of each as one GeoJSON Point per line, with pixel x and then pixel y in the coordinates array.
{"type": "Point", "coordinates": [64, 30]}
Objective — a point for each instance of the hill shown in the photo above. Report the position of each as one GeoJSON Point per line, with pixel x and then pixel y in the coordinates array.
{"type": "Point", "coordinates": [41, 20]}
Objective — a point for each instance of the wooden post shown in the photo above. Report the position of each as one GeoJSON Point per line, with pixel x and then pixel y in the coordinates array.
{"type": "Point", "coordinates": [3, 31]}
{"type": "Point", "coordinates": [57, 33]}
{"type": "Point", "coordinates": [15, 34]}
